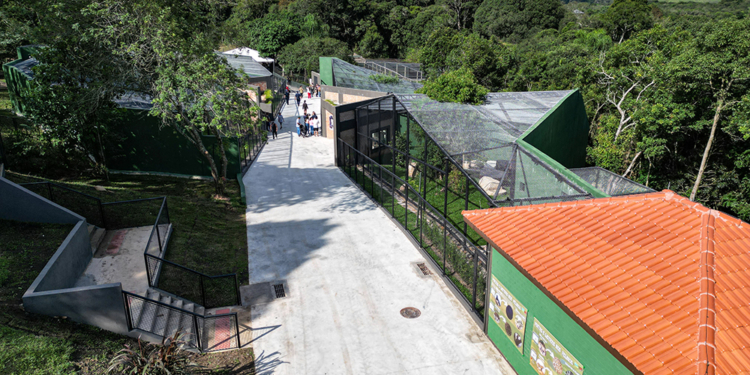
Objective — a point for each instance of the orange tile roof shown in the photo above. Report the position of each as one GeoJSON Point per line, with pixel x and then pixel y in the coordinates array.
{"type": "Point", "coordinates": [663, 280]}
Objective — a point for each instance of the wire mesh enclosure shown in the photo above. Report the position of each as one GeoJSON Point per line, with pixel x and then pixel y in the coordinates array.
{"type": "Point", "coordinates": [409, 71]}
{"type": "Point", "coordinates": [356, 77]}
{"type": "Point", "coordinates": [426, 162]}
{"type": "Point", "coordinates": [610, 183]}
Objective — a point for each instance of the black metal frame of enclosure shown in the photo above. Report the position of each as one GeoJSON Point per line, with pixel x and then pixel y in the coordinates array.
{"type": "Point", "coordinates": [422, 179]}
{"type": "Point", "coordinates": [460, 261]}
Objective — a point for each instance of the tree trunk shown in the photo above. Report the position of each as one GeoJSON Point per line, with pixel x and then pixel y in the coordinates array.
{"type": "Point", "coordinates": [632, 163]}
{"type": "Point", "coordinates": [195, 138]}
{"type": "Point", "coordinates": [102, 159]}
{"type": "Point", "coordinates": [717, 116]}
{"type": "Point", "coordinates": [224, 162]}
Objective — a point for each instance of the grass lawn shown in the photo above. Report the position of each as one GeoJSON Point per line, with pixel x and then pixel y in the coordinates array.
{"type": "Point", "coordinates": [33, 344]}
{"type": "Point", "coordinates": [209, 235]}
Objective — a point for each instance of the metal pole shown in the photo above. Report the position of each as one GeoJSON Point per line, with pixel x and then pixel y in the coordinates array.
{"type": "Point", "coordinates": [237, 328]}
{"type": "Point", "coordinates": [380, 179]}
{"type": "Point", "coordinates": [148, 269]}
{"type": "Point", "coordinates": [127, 311]}
{"type": "Point", "coordinates": [197, 334]}
{"type": "Point", "coordinates": [158, 237]}
{"type": "Point", "coordinates": [466, 208]}
{"type": "Point", "coordinates": [445, 217]}
{"type": "Point", "coordinates": [476, 265]}
{"type": "Point", "coordinates": [203, 290]}
{"type": "Point", "coordinates": [393, 196]}
{"type": "Point", "coordinates": [408, 163]}
{"type": "Point", "coordinates": [237, 292]}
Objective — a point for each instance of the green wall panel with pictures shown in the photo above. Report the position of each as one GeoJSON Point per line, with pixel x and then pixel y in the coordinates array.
{"type": "Point", "coordinates": [594, 357]}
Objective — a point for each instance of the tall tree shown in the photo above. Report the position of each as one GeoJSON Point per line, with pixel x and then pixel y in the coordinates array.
{"type": "Point", "coordinates": [715, 69]}
{"type": "Point", "coordinates": [516, 19]}
{"type": "Point", "coordinates": [625, 17]}
{"type": "Point", "coordinates": [203, 94]}
{"type": "Point", "coordinates": [172, 61]}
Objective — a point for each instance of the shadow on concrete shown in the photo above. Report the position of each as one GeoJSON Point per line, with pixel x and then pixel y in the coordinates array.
{"type": "Point", "coordinates": [277, 248]}
{"type": "Point", "coordinates": [266, 330]}
{"type": "Point", "coordinates": [266, 363]}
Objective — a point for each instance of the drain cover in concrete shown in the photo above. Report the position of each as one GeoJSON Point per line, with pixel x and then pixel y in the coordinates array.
{"type": "Point", "coordinates": [410, 312]}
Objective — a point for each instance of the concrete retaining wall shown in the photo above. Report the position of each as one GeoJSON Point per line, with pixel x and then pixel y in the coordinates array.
{"type": "Point", "coordinates": [19, 204]}
{"type": "Point", "coordinates": [100, 305]}
{"type": "Point", "coordinates": [52, 292]}
{"type": "Point", "coordinates": [68, 263]}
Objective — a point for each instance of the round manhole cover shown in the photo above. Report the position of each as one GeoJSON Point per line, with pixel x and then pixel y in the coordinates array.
{"type": "Point", "coordinates": [410, 312]}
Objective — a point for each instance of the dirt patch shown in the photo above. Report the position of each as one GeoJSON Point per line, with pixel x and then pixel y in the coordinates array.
{"type": "Point", "coordinates": [236, 362]}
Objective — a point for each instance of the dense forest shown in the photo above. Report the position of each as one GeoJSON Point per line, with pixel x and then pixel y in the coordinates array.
{"type": "Point", "coordinates": [666, 85]}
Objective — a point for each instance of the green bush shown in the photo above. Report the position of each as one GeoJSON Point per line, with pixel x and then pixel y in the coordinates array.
{"type": "Point", "coordinates": [458, 86]}
{"type": "Point", "coordinates": [164, 359]}
{"type": "Point", "coordinates": [268, 94]}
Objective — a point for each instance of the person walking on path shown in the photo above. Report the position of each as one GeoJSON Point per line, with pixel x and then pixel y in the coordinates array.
{"type": "Point", "coordinates": [304, 105]}
{"type": "Point", "coordinates": [280, 120]}
{"type": "Point", "coordinates": [274, 130]}
{"type": "Point", "coordinates": [298, 97]}
{"type": "Point", "coordinates": [286, 94]}
{"type": "Point", "coordinates": [299, 126]}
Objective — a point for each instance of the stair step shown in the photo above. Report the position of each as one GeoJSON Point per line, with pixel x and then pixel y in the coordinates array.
{"type": "Point", "coordinates": [174, 319]}
{"type": "Point", "coordinates": [148, 313]}
{"type": "Point", "coordinates": [162, 316]}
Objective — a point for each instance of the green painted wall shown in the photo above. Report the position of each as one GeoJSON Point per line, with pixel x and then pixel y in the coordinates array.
{"type": "Point", "coordinates": [595, 359]}
{"type": "Point", "coordinates": [326, 71]}
{"type": "Point", "coordinates": [563, 132]}
{"type": "Point", "coordinates": [142, 145]}
{"type": "Point", "coordinates": [18, 84]}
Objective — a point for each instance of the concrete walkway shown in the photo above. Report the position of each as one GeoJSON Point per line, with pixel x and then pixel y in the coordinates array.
{"type": "Point", "coordinates": [349, 271]}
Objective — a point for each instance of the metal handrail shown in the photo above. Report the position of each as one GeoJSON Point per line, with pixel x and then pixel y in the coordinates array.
{"type": "Point", "coordinates": [438, 215]}
{"type": "Point", "coordinates": [198, 340]}
{"type": "Point", "coordinates": [197, 273]}
{"type": "Point", "coordinates": [448, 229]}
{"type": "Point", "coordinates": [132, 201]}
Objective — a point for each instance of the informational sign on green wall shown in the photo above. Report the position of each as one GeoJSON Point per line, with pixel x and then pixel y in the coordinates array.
{"type": "Point", "coordinates": [548, 357]}
{"type": "Point", "coordinates": [508, 313]}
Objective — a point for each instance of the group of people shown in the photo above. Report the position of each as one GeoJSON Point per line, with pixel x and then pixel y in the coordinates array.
{"type": "Point", "coordinates": [311, 91]}
{"type": "Point", "coordinates": [308, 124]}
